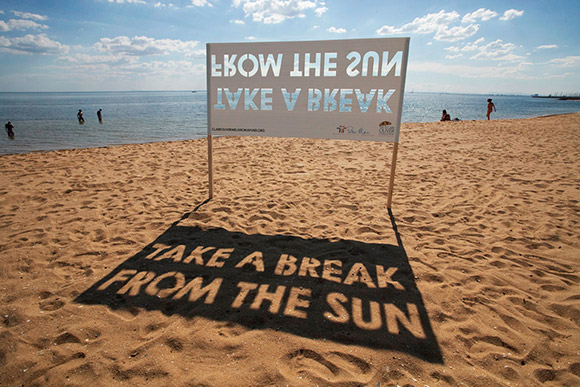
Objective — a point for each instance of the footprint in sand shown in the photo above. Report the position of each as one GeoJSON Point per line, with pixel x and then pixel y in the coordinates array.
{"type": "Point", "coordinates": [66, 338]}
{"type": "Point", "coordinates": [326, 369]}
{"type": "Point", "coordinates": [51, 303]}
{"type": "Point", "coordinates": [229, 329]}
{"type": "Point", "coordinates": [126, 314]}
{"type": "Point", "coordinates": [546, 375]}
{"type": "Point", "coordinates": [175, 344]}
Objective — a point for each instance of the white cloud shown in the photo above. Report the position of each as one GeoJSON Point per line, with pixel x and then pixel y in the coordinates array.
{"type": "Point", "coordinates": [160, 5]}
{"type": "Point", "coordinates": [119, 71]}
{"type": "Point", "coordinates": [433, 23]}
{"type": "Point", "coordinates": [335, 30]}
{"type": "Point", "coordinates": [26, 15]}
{"type": "Point", "coordinates": [127, 1]}
{"type": "Point", "coordinates": [250, 38]}
{"type": "Point", "coordinates": [427, 24]}
{"type": "Point", "coordinates": [169, 68]}
{"type": "Point", "coordinates": [453, 56]}
{"type": "Point", "coordinates": [91, 60]}
{"type": "Point", "coordinates": [454, 34]}
{"type": "Point", "coordinates": [511, 14]}
{"type": "Point", "coordinates": [32, 44]}
{"type": "Point", "coordinates": [201, 3]}
{"type": "Point", "coordinates": [170, 75]}
{"type": "Point", "coordinates": [467, 71]}
{"type": "Point", "coordinates": [569, 61]}
{"type": "Point", "coordinates": [482, 13]}
{"type": "Point", "coordinates": [547, 46]}
{"type": "Point", "coordinates": [497, 50]}
{"type": "Point", "coordinates": [473, 46]}
{"type": "Point", "coordinates": [142, 46]}
{"type": "Point", "coordinates": [237, 21]}
{"type": "Point", "coordinates": [558, 76]}
{"type": "Point", "coordinates": [320, 11]}
{"type": "Point", "coordinates": [467, 47]}
{"type": "Point", "coordinates": [276, 11]}
{"type": "Point", "coordinates": [122, 69]}
{"type": "Point", "coordinates": [119, 68]}
{"type": "Point", "coordinates": [199, 53]}
{"type": "Point", "coordinates": [20, 25]}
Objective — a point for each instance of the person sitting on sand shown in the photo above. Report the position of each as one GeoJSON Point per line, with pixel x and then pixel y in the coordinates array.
{"type": "Point", "coordinates": [9, 129]}
{"type": "Point", "coordinates": [445, 116]}
{"type": "Point", "coordinates": [490, 107]}
{"type": "Point", "coordinates": [80, 117]}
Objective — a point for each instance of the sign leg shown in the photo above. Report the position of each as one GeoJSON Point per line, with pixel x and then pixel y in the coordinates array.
{"type": "Point", "coordinates": [210, 164]}
{"type": "Point", "coordinates": [392, 177]}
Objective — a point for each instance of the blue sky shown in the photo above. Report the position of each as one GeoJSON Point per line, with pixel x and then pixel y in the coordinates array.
{"type": "Point", "coordinates": [456, 46]}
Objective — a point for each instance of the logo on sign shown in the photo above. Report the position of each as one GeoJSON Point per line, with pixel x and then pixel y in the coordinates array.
{"type": "Point", "coordinates": [386, 128]}
{"type": "Point", "coordinates": [342, 129]}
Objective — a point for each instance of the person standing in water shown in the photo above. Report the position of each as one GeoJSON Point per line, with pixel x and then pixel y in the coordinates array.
{"type": "Point", "coordinates": [490, 107]}
{"type": "Point", "coordinates": [9, 129]}
{"type": "Point", "coordinates": [80, 117]}
{"type": "Point", "coordinates": [100, 116]}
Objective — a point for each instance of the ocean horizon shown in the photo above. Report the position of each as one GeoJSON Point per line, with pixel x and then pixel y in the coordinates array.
{"type": "Point", "coordinates": [46, 121]}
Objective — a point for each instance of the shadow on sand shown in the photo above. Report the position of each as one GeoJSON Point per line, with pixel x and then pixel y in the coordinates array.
{"type": "Point", "coordinates": [346, 291]}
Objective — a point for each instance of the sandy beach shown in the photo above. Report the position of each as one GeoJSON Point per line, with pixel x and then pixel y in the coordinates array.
{"type": "Point", "coordinates": [116, 270]}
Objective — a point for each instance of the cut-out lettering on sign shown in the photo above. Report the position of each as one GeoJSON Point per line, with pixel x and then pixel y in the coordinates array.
{"type": "Point", "coordinates": [307, 89]}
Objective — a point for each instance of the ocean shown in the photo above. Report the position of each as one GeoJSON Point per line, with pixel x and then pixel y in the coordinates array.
{"type": "Point", "coordinates": [47, 121]}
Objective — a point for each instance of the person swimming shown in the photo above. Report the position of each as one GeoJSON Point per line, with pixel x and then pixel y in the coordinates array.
{"type": "Point", "coordinates": [80, 117]}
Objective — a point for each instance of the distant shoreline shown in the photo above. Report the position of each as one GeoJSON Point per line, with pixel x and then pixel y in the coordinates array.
{"type": "Point", "coordinates": [491, 94]}
{"type": "Point", "coordinates": [560, 97]}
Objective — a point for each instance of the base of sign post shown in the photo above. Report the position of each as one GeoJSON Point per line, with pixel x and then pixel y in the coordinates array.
{"type": "Point", "coordinates": [210, 165]}
{"type": "Point", "coordinates": [392, 177]}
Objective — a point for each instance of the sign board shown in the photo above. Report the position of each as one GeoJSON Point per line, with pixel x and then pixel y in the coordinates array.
{"type": "Point", "coordinates": [335, 89]}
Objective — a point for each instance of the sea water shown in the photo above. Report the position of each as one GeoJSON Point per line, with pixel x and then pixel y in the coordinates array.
{"type": "Point", "coordinates": [48, 121]}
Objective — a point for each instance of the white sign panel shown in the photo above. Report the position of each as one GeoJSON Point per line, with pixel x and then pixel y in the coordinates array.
{"type": "Point", "coordinates": [339, 89]}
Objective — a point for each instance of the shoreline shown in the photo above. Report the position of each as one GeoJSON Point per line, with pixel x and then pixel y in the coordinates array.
{"type": "Point", "coordinates": [204, 137]}
{"type": "Point", "coordinates": [114, 268]}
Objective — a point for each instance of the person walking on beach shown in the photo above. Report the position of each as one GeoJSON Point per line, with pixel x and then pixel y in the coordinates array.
{"type": "Point", "coordinates": [80, 117]}
{"type": "Point", "coordinates": [490, 107]}
{"type": "Point", "coordinates": [445, 116]}
{"type": "Point", "coordinates": [9, 129]}
{"type": "Point", "coordinates": [100, 116]}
